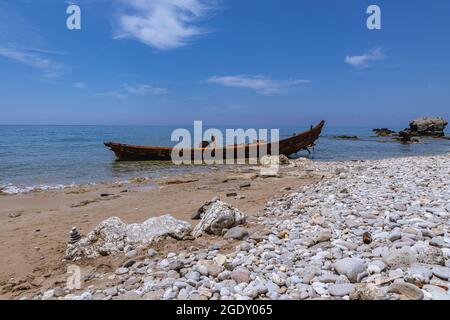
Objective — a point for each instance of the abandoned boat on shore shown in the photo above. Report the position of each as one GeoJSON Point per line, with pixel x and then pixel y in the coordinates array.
{"type": "Point", "coordinates": [288, 146]}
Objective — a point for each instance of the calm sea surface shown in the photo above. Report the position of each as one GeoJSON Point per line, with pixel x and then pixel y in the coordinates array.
{"type": "Point", "coordinates": [52, 156]}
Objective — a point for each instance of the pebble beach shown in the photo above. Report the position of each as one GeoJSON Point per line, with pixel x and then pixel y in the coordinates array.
{"type": "Point", "coordinates": [361, 230]}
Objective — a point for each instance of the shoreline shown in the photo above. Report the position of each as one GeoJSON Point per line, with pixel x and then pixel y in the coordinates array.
{"type": "Point", "coordinates": [11, 189]}
{"type": "Point", "coordinates": [34, 227]}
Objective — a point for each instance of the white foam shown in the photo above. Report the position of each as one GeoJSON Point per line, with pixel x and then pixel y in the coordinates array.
{"type": "Point", "coordinates": [11, 189]}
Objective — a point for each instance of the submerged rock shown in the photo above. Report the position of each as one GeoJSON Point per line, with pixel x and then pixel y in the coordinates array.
{"type": "Point", "coordinates": [218, 217]}
{"type": "Point", "coordinates": [383, 132]}
{"type": "Point", "coordinates": [112, 236]}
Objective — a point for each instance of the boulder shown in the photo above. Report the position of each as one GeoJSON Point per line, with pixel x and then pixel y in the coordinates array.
{"type": "Point", "coordinates": [112, 235]}
{"type": "Point", "coordinates": [428, 126]}
{"type": "Point", "coordinates": [218, 216]}
{"type": "Point", "coordinates": [199, 213]}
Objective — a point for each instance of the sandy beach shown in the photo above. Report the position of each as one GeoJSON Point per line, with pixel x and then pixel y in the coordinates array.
{"type": "Point", "coordinates": [374, 229]}
{"type": "Point", "coordinates": [34, 227]}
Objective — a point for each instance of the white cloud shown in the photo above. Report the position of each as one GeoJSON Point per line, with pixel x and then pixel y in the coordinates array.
{"type": "Point", "coordinates": [111, 94]}
{"type": "Point", "coordinates": [34, 58]}
{"type": "Point", "coordinates": [363, 61]}
{"type": "Point", "coordinates": [80, 85]}
{"type": "Point", "coordinates": [145, 90]}
{"type": "Point", "coordinates": [162, 24]}
{"type": "Point", "coordinates": [261, 84]}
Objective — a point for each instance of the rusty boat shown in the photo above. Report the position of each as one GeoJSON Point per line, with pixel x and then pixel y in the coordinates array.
{"type": "Point", "coordinates": [287, 146]}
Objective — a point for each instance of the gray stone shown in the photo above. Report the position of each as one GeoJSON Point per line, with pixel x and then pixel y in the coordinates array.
{"type": "Point", "coordinates": [238, 233]}
{"type": "Point", "coordinates": [340, 290]}
{"type": "Point", "coordinates": [122, 270]}
{"type": "Point", "coordinates": [176, 265]}
{"type": "Point", "coordinates": [400, 258]}
{"type": "Point", "coordinates": [442, 272]}
{"type": "Point", "coordinates": [437, 293]}
{"type": "Point", "coordinates": [241, 275]}
{"type": "Point", "coordinates": [395, 235]}
{"type": "Point", "coordinates": [323, 236]}
{"type": "Point", "coordinates": [59, 292]}
{"type": "Point", "coordinates": [431, 255]}
{"type": "Point", "coordinates": [214, 269]}
{"type": "Point", "coordinates": [193, 275]}
{"type": "Point", "coordinates": [406, 290]}
{"type": "Point", "coordinates": [131, 254]}
{"type": "Point", "coordinates": [111, 291]}
{"type": "Point", "coordinates": [366, 291]}
{"type": "Point", "coordinates": [98, 296]}
{"type": "Point", "coordinates": [350, 267]}
{"type": "Point", "coordinates": [422, 270]}
{"type": "Point", "coordinates": [439, 242]}
{"type": "Point", "coordinates": [130, 295]}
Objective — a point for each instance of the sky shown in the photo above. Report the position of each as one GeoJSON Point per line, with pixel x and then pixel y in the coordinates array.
{"type": "Point", "coordinates": [226, 62]}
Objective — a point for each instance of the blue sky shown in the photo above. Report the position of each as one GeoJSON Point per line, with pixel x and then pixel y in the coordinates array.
{"type": "Point", "coordinates": [253, 62]}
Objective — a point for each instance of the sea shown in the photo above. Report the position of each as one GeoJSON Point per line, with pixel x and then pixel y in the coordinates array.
{"type": "Point", "coordinates": [52, 157]}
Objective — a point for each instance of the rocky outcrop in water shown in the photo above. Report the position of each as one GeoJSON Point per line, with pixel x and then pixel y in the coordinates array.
{"type": "Point", "coordinates": [428, 126]}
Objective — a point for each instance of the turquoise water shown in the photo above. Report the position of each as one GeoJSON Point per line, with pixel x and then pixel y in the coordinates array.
{"type": "Point", "coordinates": [53, 156]}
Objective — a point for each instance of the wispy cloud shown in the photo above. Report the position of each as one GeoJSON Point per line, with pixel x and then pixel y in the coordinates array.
{"type": "Point", "coordinates": [22, 41]}
{"type": "Point", "coordinates": [35, 59]}
{"type": "Point", "coordinates": [145, 90]}
{"type": "Point", "coordinates": [162, 24]}
{"type": "Point", "coordinates": [260, 84]}
{"type": "Point", "coordinates": [111, 94]}
{"type": "Point", "coordinates": [363, 61]}
{"type": "Point", "coordinates": [80, 85]}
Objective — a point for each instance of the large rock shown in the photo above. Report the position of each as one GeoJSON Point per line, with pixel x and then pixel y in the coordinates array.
{"type": "Point", "coordinates": [201, 211]}
{"type": "Point", "coordinates": [112, 235]}
{"type": "Point", "coordinates": [428, 126]}
{"type": "Point", "coordinates": [217, 217]}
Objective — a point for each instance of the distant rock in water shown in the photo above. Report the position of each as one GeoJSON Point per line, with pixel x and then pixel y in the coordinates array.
{"type": "Point", "coordinates": [345, 137]}
{"type": "Point", "coordinates": [428, 126]}
{"type": "Point", "coordinates": [384, 132]}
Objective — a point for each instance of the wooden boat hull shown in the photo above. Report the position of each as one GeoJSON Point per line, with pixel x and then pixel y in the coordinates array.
{"type": "Point", "coordinates": [288, 146]}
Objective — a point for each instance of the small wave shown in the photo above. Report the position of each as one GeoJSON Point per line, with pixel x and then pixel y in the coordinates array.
{"type": "Point", "coordinates": [11, 189]}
